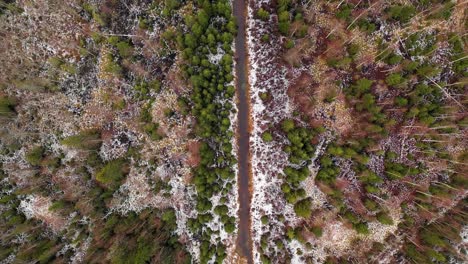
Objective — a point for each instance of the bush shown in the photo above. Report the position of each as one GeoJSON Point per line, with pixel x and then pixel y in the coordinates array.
{"type": "Point", "coordinates": [35, 156]}
{"type": "Point", "coordinates": [394, 79]}
{"type": "Point", "coordinates": [401, 101]}
{"type": "Point", "coordinates": [111, 66]}
{"type": "Point", "coordinates": [289, 44]}
{"type": "Point", "coordinates": [384, 218]}
{"type": "Point", "coordinates": [89, 139]}
{"type": "Point", "coordinates": [361, 86]}
{"type": "Point", "coordinates": [344, 12]}
{"type": "Point", "coordinates": [401, 13]}
{"type": "Point", "coordinates": [112, 172]}
{"type": "Point", "coordinates": [287, 125]}
{"type": "Point", "coordinates": [284, 24]}
{"type": "Point", "coordinates": [432, 238]}
{"type": "Point", "coordinates": [229, 227]}
{"type": "Point", "coordinates": [361, 228]}
{"type": "Point", "coordinates": [267, 137]}
{"type": "Point", "coordinates": [265, 38]}
{"type": "Point", "coordinates": [317, 230]}
{"type": "Point", "coordinates": [7, 107]}
{"type": "Point", "coordinates": [302, 208]}
{"type": "Point", "coordinates": [263, 14]}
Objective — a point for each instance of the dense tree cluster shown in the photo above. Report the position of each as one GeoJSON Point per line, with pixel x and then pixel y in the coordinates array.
{"type": "Point", "coordinates": [210, 32]}
{"type": "Point", "coordinates": [300, 152]}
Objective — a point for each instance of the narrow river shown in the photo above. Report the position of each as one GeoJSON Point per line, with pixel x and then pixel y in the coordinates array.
{"type": "Point", "coordinates": [244, 241]}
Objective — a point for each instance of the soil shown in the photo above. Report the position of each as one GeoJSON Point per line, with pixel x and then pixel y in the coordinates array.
{"type": "Point", "coordinates": [244, 240]}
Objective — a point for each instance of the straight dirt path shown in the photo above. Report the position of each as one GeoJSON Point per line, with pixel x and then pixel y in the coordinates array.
{"type": "Point", "coordinates": [244, 241]}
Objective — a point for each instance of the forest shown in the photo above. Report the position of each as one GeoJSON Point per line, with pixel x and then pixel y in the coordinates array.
{"type": "Point", "coordinates": [121, 131]}
{"type": "Point", "coordinates": [369, 146]}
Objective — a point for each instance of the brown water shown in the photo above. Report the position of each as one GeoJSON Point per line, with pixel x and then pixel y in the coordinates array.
{"type": "Point", "coordinates": [244, 241]}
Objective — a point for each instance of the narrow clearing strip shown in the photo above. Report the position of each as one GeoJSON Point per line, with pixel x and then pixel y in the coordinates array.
{"type": "Point", "coordinates": [244, 242]}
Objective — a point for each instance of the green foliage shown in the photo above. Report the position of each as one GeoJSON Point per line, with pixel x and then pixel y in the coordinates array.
{"type": "Point", "coordinates": [152, 130]}
{"type": "Point", "coordinates": [124, 48]}
{"type": "Point", "coordinates": [459, 65]}
{"type": "Point", "coordinates": [410, 66]}
{"type": "Point", "coordinates": [264, 219]}
{"type": "Point", "coordinates": [169, 6]}
{"type": "Point", "coordinates": [303, 208]}
{"type": "Point", "coordinates": [420, 44]}
{"type": "Point", "coordinates": [111, 66]}
{"type": "Point", "coordinates": [427, 71]}
{"type": "Point", "coordinates": [328, 172]}
{"type": "Point", "coordinates": [94, 13]}
{"type": "Point", "coordinates": [444, 12]}
{"type": "Point", "coordinates": [88, 139]}
{"type": "Point", "coordinates": [413, 253]}
{"type": "Point", "coordinates": [361, 228]}
{"type": "Point", "coordinates": [371, 205]}
{"type": "Point", "coordinates": [35, 156]}
{"type": "Point", "coordinates": [394, 79]}
{"type": "Point", "coordinates": [366, 25]}
{"type": "Point", "coordinates": [230, 228]}
{"type": "Point", "coordinates": [342, 63]}
{"type": "Point", "coordinates": [263, 14]}
{"type": "Point", "coordinates": [344, 12]}
{"type": "Point", "coordinates": [284, 22]}
{"type": "Point", "coordinates": [317, 230]}
{"type": "Point", "coordinates": [287, 125]}
{"type": "Point", "coordinates": [402, 13]}
{"type": "Point", "coordinates": [267, 137]}
{"type": "Point", "coordinates": [432, 238]}
{"type": "Point", "coordinates": [384, 218]}
{"type": "Point", "coordinates": [112, 172]}
{"type": "Point", "coordinates": [7, 107]}
{"type": "Point", "coordinates": [289, 44]}
{"type": "Point", "coordinates": [353, 49]}
{"type": "Point", "coordinates": [361, 86]}
{"type": "Point", "coordinates": [401, 101]}
{"type": "Point", "coordinates": [393, 59]}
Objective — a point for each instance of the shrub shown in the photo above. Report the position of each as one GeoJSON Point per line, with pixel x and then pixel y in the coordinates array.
{"type": "Point", "coordinates": [229, 227]}
{"type": "Point", "coordinates": [361, 228]}
{"type": "Point", "coordinates": [353, 49]}
{"type": "Point", "coordinates": [289, 44]}
{"type": "Point", "coordinates": [267, 137]}
{"type": "Point", "coordinates": [366, 26]}
{"type": "Point", "coordinates": [432, 238]}
{"type": "Point", "coordinates": [7, 107]}
{"type": "Point", "coordinates": [112, 172]}
{"type": "Point", "coordinates": [317, 230]}
{"type": "Point", "coordinates": [371, 205]}
{"type": "Point", "coordinates": [384, 218]}
{"type": "Point", "coordinates": [344, 12]}
{"type": "Point", "coordinates": [302, 208]}
{"type": "Point", "coordinates": [393, 59]}
{"type": "Point", "coordinates": [401, 101]}
{"type": "Point", "coordinates": [361, 86]}
{"type": "Point", "coordinates": [35, 156]}
{"type": "Point", "coordinates": [89, 139]}
{"type": "Point", "coordinates": [111, 66]}
{"type": "Point", "coordinates": [284, 24]}
{"type": "Point", "coordinates": [401, 13]}
{"type": "Point", "coordinates": [263, 14]}
{"type": "Point", "coordinates": [287, 125]}
{"type": "Point", "coordinates": [394, 79]}
{"type": "Point", "coordinates": [264, 219]}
